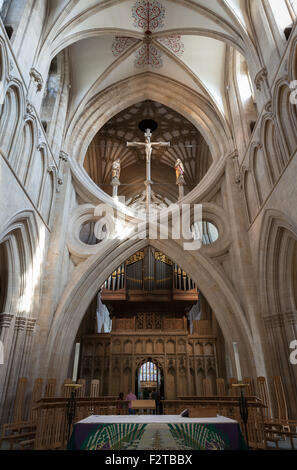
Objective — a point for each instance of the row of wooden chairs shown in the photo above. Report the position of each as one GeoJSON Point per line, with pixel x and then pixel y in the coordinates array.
{"type": "Point", "coordinates": [21, 431]}
{"type": "Point", "coordinates": [261, 390]}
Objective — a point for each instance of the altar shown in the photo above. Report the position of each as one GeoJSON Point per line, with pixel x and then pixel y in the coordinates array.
{"type": "Point", "coordinates": [151, 432]}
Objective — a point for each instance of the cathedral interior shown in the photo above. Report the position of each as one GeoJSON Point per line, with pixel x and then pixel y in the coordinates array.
{"type": "Point", "coordinates": [112, 109]}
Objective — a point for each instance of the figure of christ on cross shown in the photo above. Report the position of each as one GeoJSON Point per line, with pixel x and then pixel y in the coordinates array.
{"type": "Point", "coordinates": [148, 145]}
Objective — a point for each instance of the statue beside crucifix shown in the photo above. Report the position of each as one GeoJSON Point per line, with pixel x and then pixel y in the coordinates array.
{"type": "Point", "coordinates": [116, 169]}
{"type": "Point", "coordinates": [148, 146]}
{"type": "Point", "coordinates": [115, 177]}
{"type": "Point", "coordinates": [179, 170]}
{"type": "Point", "coordinates": [180, 180]}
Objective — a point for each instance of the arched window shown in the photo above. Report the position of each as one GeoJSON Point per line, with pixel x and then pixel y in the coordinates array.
{"type": "Point", "coordinates": [148, 372]}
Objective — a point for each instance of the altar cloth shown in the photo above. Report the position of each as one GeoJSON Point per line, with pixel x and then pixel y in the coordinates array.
{"type": "Point", "coordinates": [151, 432]}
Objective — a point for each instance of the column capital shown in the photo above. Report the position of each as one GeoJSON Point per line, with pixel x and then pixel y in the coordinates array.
{"type": "Point", "coordinates": [31, 322]}
{"type": "Point", "coordinates": [5, 319]}
{"type": "Point", "coordinates": [20, 323]}
{"type": "Point", "coordinates": [63, 156]}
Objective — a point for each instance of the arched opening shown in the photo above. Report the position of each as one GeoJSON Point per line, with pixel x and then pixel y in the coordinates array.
{"type": "Point", "coordinates": [110, 145]}
{"type": "Point", "coordinates": [149, 379]}
{"type": "Point", "coordinates": [152, 315]}
{"type": "Point", "coordinates": [278, 264]}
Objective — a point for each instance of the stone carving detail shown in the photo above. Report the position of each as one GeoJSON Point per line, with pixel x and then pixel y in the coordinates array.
{"type": "Point", "coordinates": [63, 156]}
{"type": "Point", "coordinates": [260, 78]}
{"type": "Point", "coordinates": [36, 76]}
{"type": "Point", "coordinates": [148, 321]}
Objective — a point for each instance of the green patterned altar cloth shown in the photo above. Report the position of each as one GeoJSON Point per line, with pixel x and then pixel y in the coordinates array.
{"type": "Point", "coordinates": [156, 433]}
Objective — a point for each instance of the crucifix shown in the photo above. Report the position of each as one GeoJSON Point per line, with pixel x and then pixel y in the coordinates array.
{"type": "Point", "coordinates": [148, 145]}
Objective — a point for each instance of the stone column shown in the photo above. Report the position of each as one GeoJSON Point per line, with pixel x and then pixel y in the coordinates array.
{"type": "Point", "coordinates": [181, 183]}
{"type": "Point", "coordinates": [13, 368]}
{"type": "Point", "coordinates": [30, 325]}
{"type": "Point", "coordinates": [5, 321]}
{"type": "Point", "coordinates": [244, 281]}
{"type": "Point", "coordinates": [115, 183]}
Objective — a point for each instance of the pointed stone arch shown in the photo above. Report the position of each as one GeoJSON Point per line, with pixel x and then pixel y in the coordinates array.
{"type": "Point", "coordinates": [95, 270]}
{"type": "Point", "coordinates": [277, 258]}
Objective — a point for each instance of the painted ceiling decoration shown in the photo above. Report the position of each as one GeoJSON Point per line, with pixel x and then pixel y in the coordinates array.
{"type": "Point", "coordinates": [121, 44]}
{"type": "Point", "coordinates": [148, 17]}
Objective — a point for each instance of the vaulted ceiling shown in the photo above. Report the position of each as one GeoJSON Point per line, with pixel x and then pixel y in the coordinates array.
{"type": "Point", "coordinates": [109, 41]}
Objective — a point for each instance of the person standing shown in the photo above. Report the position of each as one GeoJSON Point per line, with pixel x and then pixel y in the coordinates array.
{"type": "Point", "coordinates": [155, 396]}
{"type": "Point", "coordinates": [130, 397]}
{"type": "Point", "coordinates": [120, 402]}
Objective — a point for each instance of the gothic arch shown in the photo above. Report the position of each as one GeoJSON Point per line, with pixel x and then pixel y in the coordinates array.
{"type": "Point", "coordinates": [277, 257]}
{"type": "Point", "coordinates": [250, 193]}
{"type": "Point", "coordinates": [11, 117]}
{"type": "Point", "coordinates": [4, 64]}
{"type": "Point", "coordinates": [278, 235]}
{"type": "Point", "coordinates": [285, 113]}
{"type": "Point", "coordinates": [20, 237]}
{"type": "Point", "coordinates": [293, 61]}
{"type": "Point", "coordinates": [27, 146]}
{"type": "Point", "coordinates": [272, 149]}
{"type": "Point", "coordinates": [94, 271]}
{"type": "Point", "coordinates": [259, 168]}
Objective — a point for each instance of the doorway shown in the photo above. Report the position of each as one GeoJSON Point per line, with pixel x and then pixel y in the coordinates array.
{"type": "Point", "coordinates": [149, 377]}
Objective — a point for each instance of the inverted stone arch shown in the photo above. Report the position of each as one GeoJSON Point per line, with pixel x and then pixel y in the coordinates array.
{"type": "Point", "coordinates": [103, 106]}
{"type": "Point", "coordinates": [91, 274]}
{"type": "Point", "coordinates": [268, 248]}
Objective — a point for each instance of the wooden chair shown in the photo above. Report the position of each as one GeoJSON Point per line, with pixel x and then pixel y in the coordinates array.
{"type": "Point", "coordinates": [282, 409]}
{"type": "Point", "coordinates": [66, 391]}
{"type": "Point", "coordinates": [275, 433]}
{"type": "Point", "coordinates": [233, 391]}
{"type": "Point", "coordinates": [81, 392]}
{"type": "Point", "coordinates": [36, 395]}
{"type": "Point", "coordinates": [264, 396]}
{"type": "Point", "coordinates": [250, 389]}
{"type": "Point", "coordinates": [50, 389]}
{"type": "Point", "coordinates": [207, 387]}
{"type": "Point", "coordinates": [15, 433]}
{"type": "Point", "coordinates": [94, 392]}
{"type": "Point", "coordinates": [221, 387]}
{"type": "Point", "coordinates": [20, 400]}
